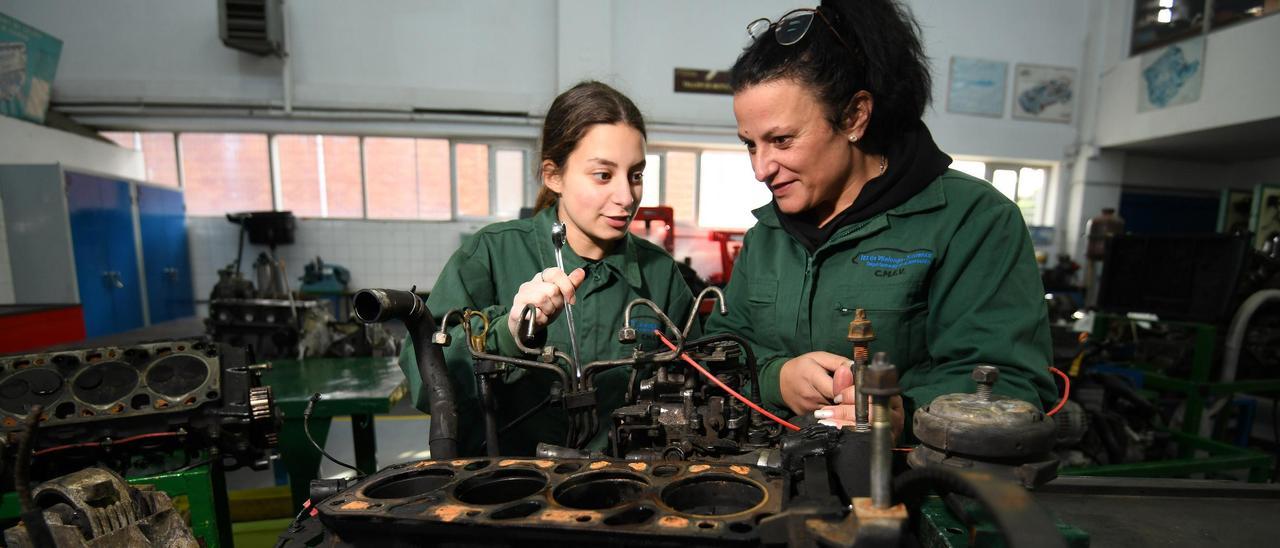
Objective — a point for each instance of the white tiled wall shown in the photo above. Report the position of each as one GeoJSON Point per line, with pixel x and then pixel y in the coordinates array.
{"type": "Point", "coordinates": [393, 254]}
{"type": "Point", "coordinates": [6, 274]}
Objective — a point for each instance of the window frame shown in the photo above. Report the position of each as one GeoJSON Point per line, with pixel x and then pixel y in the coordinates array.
{"type": "Point", "coordinates": [529, 188]}
{"type": "Point", "coordinates": [1042, 206]}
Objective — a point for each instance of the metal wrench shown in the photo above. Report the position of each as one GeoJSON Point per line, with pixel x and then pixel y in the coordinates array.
{"type": "Point", "coordinates": [557, 240]}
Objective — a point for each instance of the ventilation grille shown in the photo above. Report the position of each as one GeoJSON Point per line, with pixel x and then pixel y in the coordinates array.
{"type": "Point", "coordinates": [255, 26]}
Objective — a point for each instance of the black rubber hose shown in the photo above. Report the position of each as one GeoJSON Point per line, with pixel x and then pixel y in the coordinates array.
{"type": "Point", "coordinates": [1023, 523]}
{"type": "Point", "coordinates": [32, 515]}
{"type": "Point", "coordinates": [380, 305]}
{"type": "Point", "coordinates": [490, 418]}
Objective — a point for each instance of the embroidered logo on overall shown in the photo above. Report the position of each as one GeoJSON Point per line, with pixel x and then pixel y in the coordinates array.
{"type": "Point", "coordinates": [889, 262]}
{"type": "Point", "coordinates": [645, 326]}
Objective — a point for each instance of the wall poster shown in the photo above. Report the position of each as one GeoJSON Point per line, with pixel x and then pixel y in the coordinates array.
{"type": "Point", "coordinates": [1044, 93]}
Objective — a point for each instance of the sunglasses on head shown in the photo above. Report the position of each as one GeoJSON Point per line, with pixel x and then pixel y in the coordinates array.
{"type": "Point", "coordinates": [792, 27]}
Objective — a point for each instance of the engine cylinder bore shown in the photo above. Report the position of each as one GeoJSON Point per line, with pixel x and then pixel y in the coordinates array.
{"type": "Point", "coordinates": [500, 486]}
{"type": "Point", "coordinates": [409, 485]}
{"type": "Point", "coordinates": [177, 375]}
{"type": "Point", "coordinates": [29, 387]}
{"type": "Point", "coordinates": [712, 495]}
{"type": "Point", "coordinates": [600, 490]}
{"type": "Point", "coordinates": [105, 383]}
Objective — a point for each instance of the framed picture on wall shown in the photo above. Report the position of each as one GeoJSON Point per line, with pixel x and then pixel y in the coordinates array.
{"type": "Point", "coordinates": [1266, 215]}
{"type": "Point", "coordinates": [1235, 210]}
{"type": "Point", "coordinates": [1044, 93]}
{"type": "Point", "coordinates": [977, 87]}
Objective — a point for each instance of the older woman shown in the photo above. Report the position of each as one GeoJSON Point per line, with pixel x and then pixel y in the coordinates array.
{"type": "Point", "coordinates": [866, 214]}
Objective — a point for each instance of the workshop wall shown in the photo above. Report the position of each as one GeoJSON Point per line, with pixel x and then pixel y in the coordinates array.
{"type": "Point", "coordinates": [512, 57]}
{"type": "Point", "coordinates": [1164, 172]}
{"type": "Point", "coordinates": [488, 55]}
{"type": "Point", "coordinates": [1240, 86]}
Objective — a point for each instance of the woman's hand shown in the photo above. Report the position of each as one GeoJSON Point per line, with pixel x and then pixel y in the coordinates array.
{"type": "Point", "coordinates": [844, 414]}
{"type": "Point", "coordinates": [548, 290]}
{"type": "Point", "coordinates": [806, 380]}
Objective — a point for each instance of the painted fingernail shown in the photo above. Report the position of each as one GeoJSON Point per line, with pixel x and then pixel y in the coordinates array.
{"type": "Point", "coordinates": [823, 414]}
{"type": "Point", "coordinates": [838, 399]}
{"type": "Point", "coordinates": [830, 423]}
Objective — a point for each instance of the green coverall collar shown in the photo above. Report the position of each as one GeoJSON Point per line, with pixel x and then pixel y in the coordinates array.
{"type": "Point", "coordinates": [621, 260]}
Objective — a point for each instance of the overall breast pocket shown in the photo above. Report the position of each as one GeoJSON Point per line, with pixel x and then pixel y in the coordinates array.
{"type": "Point", "coordinates": [762, 303]}
{"type": "Point", "coordinates": [897, 313]}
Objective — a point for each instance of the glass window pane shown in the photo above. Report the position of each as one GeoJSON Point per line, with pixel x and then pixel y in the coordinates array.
{"type": "Point", "coordinates": [681, 177]}
{"type": "Point", "coordinates": [473, 179]}
{"type": "Point", "coordinates": [343, 192]}
{"type": "Point", "coordinates": [160, 158]}
{"type": "Point", "coordinates": [728, 191]}
{"type": "Point", "coordinates": [225, 172]}
{"type": "Point", "coordinates": [1031, 183]}
{"type": "Point", "coordinates": [1006, 181]}
{"type": "Point", "coordinates": [652, 181]}
{"type": "Point", "coordinates": [121, 138]}
{"type": "Point", "coordinates": [1160, 22]}
{"type": "Point", "coordinates": [977, 169]}
{"type": "Point", "coordinates": [1226, 12]}
{"type": "Point", "coordinates": [434, 201]}
{"type": "Point", "coordinates": [391, 177]}
{"type": "Point", "coordinates": [298, 159]}
{"type": "Point", "coordinates": [508, 166]}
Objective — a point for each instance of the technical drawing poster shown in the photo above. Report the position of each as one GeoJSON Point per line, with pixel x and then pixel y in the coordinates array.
{"type": "Point", "coordinates": [1044, 93]}
{"type": "Point", "coordinates": [977, 87]}
{"type": "Point", "coordinates": [1171, 75]}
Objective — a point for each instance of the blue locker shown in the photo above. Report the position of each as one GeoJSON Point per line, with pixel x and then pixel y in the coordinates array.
{"type": "Point", "coordinates": [163, 223]}
{"type": "Point", "coordinates": [100, 211]}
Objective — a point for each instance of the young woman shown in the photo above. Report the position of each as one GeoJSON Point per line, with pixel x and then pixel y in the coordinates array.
{"type": "Point", "coordinates": [866, 214]}
{"type": "Point", "coordinates": [591, 167]}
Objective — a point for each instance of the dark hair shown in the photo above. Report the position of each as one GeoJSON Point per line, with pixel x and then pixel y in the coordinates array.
{"type": "Point", "coordinates": [888, 62]}
{"type": "Point", "coordinates": [571, 115]}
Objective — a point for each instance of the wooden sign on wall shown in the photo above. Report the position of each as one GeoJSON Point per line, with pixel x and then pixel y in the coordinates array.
{"type": "Point", "coordinates": [702, 81]}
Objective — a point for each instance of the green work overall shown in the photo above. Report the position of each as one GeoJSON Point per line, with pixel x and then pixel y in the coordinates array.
{"type": "Point", "coordinates": [486, 273]}
{"type": "Point", "coordinates": [948, 279]}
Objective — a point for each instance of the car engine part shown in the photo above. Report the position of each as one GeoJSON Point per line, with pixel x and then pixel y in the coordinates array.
{"type": "Point", "coordinates": [118, 404]}
{"type": "Point", "coordinates": [687, 464]}
{"type": "Point", "coordinates": [1003, 436]}
{"type": "Point", "coordinates": [94, 507]}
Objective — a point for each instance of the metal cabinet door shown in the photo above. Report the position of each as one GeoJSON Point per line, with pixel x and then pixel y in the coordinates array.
{"type": "Point", "coordinates": [163, 223]}
{"type": "Point", "coordinates": [101, 215]}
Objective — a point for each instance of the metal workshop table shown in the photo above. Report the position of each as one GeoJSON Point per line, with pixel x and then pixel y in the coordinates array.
{"type": "Point", "coordinates": [359, 387]}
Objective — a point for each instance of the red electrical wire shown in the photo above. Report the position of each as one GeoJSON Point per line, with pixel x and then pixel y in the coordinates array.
{"type": "Point", "coordinates": [1066, 391]}
{"type": "Point", "coordinates": [723, 386]}
{"type": "Point", "coordinates": [113, 442]}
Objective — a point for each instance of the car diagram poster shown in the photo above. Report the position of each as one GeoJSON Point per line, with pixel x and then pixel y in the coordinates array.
{"type": "Point", "coordinates": [977, 87]}
{"type": "Point", "coordinates": [1044, 93]}
{"type": "Point", "coordinates": [1171, 76]}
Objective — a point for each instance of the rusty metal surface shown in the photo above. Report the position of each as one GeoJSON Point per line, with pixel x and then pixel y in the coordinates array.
{"type": "Point", "coordinates": [1000, 428]}
{"type": "Point", "coordinates": [94, 507]}
{"type": "Point", "coordinates": [649, 502]}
